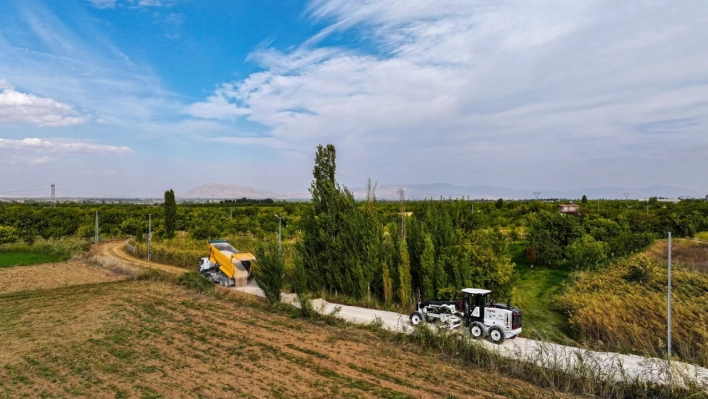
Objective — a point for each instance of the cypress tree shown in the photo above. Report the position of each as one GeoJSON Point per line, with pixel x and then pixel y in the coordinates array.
{"type": "Point", "coordinates": [170, 213]}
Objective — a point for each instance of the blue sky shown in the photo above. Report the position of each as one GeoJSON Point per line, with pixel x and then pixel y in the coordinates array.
{"type": "Point", "coordinates": [131, 97]}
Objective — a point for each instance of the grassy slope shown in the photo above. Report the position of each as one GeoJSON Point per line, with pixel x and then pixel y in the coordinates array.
{"type": "Point", "coordinates": [9, 259]}
{"type": "Point", "coordinates": [155, 340]}
{"type": "Point", "coordinates": [534, 295]}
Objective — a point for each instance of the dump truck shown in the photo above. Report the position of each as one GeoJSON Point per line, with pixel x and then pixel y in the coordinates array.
{"type": "Point", "coordinates": [225, 265]}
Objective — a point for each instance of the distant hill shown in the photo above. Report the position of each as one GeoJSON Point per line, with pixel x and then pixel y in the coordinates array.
{"type": "Point", "coordinates": [226, 191]}
{"type": "Point", "coordinates": [436, 190]}
{"type": "Point", "coordinates": [234, 191]}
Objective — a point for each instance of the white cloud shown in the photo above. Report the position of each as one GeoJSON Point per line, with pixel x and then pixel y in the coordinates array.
{"type": "Point", "coordinates": [149, 3]}
{"type": "Point", "coordinates": [40, 145]}
{"type": "Point", "coordinates": [21, 108]}
{"type": "Point", "coordinates": [5, 85]}
{"type": "Point", "coordinates": [269, 142]}
{"type": "Point", "coordinates": [216, 107]}
{"type": "Point", "coordinates": [453, 87]}
{"type": "Point", "coordinates": [103, 3]}
{"type": "Point", "coordinates": [28, 160]}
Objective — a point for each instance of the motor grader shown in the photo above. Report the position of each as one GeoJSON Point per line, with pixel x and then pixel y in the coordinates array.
{"type": "Point", "coordinates": [483, 318]}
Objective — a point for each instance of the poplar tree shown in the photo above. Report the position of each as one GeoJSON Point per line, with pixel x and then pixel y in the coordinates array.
{"type": "Point", "coordinates": [427, 265]}
{"type": "Point", "coordinates": [404, 275]}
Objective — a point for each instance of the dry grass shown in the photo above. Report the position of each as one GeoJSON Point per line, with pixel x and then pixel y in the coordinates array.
{"type": "Point", "coordinates": [623, 308]}
{"type": "Point", "coordinates": [155, 340]}
{"type": "Point", "coordinates": [53, 275]}
{"type": "Point", "coordinates": [689, 254]}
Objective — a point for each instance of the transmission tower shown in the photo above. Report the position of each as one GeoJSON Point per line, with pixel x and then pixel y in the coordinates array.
{"type": "Point", "coordinates": [626, 196]}
{"type": "Point", "coordinates": [53, 195]}
{"type": "Point", "coordinates": [537, 194]}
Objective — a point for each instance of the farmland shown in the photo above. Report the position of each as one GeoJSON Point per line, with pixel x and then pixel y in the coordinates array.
{"type": "Point", "coordinates": [152, 339]}
{"type": "Point", "coordinates": [10, 259]}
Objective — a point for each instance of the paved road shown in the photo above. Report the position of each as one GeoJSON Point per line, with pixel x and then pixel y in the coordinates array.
{"type": "Point", "coordinates": [649, 369]}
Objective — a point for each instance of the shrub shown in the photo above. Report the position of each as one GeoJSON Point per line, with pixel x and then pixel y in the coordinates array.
{"type": "Point", "coordinates": [8, 234]}
{"type": "Point", "coordinates": [195, 281]}
{"type": "Point", "coordinates": [64, 248]}
{"type": "Point", "coordinates": [268, 270]}
{"type": "Point", "coordinates": [586, 253]}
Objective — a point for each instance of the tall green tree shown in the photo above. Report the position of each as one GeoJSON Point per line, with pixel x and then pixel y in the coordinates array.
{"type": "Point", "coordinates": [404, 275]}
{"type": "Point", "coordinates": [340, 239]}
{"type": "Point", "coordinates": [584, 201]}
{"type": "Point", "coordinates": [170, 213]}
{"type": "Point", "coordinates": [427, 265]}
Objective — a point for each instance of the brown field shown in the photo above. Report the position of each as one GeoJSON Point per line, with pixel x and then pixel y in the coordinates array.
{"type": "Point", "coordinates": [690, 254]}
{"type": "Point", "coordinates": [145, 339]}
{"type": "Point", "coordinates": [53, 275]}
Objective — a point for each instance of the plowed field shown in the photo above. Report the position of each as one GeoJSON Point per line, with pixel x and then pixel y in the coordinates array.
{"type": "Point", "coordinates": [147, 339]}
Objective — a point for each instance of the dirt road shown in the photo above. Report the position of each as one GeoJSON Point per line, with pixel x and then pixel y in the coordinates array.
{"type": "Point", "coordinates": [649, 369]}
{"type": "Point", "coordinates": [115, 250]}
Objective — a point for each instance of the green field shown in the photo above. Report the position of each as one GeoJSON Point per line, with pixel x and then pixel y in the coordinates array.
{"type": "Point", "coordinates": [534, 294]}
{"type": "Point", "coordinates": [10, 259]}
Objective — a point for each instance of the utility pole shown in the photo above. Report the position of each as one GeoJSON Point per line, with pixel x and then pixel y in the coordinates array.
{"type": "Point", "coordinates": [53, 195]}
{"type": "Point", "coordinates": [95, 237]}
{"type": "Point", "coordinates": [280, 232]}
{"type": "Point", "coordinates": [149, 237]}
{"type": "Point", "coordinates": [668, 301]}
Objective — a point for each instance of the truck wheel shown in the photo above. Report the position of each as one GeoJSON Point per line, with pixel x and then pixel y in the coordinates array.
{"type": "Point", "coordinates": [496, 335]}
{"type": "Point", "coordinates": [477, 330]}
{"type": "Point", "coordinates": [416, 318]}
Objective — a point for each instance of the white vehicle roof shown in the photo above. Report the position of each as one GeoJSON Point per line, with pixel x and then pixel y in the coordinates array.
{"type": "Point", "coordinates": [475, 291]}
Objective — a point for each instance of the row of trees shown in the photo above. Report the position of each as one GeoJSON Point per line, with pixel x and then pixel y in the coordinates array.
{"type": "Point", "coordinates": [356, 250]}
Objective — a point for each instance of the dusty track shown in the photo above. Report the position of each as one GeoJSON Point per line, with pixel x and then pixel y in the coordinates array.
{"type": "Point", "coordinates": [114, 249]}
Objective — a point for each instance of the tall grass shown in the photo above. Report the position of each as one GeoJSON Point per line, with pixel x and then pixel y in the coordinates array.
{"type": "Point", "coordinates": [64, 247]}
{"type": "Point", "coordinates": [623, 308]}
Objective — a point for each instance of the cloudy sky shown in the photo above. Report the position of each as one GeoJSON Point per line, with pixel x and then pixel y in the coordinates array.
{"type": "Point", "coordinates": [132, 97]}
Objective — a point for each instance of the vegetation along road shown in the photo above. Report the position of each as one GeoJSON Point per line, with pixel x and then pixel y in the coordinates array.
{"type": "Point", "coordinates": [544, 353]}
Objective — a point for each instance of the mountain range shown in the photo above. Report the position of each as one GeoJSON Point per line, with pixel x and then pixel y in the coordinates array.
{"type": "Point", "coordinates": [437, 190]}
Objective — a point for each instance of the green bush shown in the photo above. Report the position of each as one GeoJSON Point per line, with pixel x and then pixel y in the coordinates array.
{"type": "Point", "coordinates": [8, 234]}
{"type": "Point", "coordinates": [268, 270]}
{"type": "Point", "coordinates": [195, 281]}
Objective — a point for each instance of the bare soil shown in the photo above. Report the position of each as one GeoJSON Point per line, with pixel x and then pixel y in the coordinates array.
{"type": "Point", "coordinates": [143, 339]}
{"type": "Point", "coordinates": [53, 275]}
